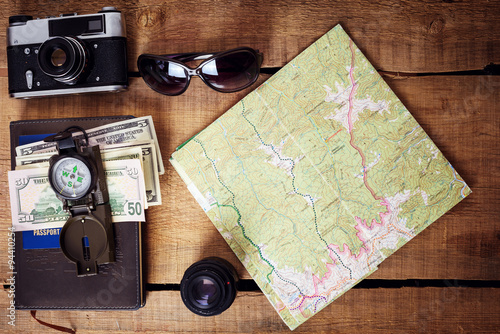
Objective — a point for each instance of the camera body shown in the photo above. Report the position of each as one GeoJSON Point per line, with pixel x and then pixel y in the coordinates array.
{"type": "Point", "coordinates": [69, 54]}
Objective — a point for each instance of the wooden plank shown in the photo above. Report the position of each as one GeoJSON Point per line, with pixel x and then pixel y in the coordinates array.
{"type": "Point", "coordinates": [460, 114]}
{"type": "Point", "coordinates": [415, 310]}
{"type": "Point", "coordinates": [463, 244]}
{"type": "Point", "coordinates": [178, 118]}
{"type": "Point", "coordinates": [395, 35]}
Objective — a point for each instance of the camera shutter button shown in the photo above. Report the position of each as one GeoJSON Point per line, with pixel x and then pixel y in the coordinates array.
{"type": "Point", "coordinates": [108, 9]}
{"type": "Point", "coordinates": [29, 79]}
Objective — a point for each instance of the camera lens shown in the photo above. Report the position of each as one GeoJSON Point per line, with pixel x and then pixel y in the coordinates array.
{"type": "Point", "coordinates": [209, 286]}
{"type": "Point", "coordinates": [205, 291]}
{"type": "Point", "coordinates": [63, 58]}
{"type": "Point", "coordinates": [58, 57]}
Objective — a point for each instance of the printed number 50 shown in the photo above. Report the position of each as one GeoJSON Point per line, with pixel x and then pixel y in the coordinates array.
{"type": "Point", "coordinates": [134, 208]}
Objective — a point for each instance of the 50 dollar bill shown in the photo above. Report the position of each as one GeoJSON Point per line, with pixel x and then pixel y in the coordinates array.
{"type": "Point", "coordinates": [35, 206]}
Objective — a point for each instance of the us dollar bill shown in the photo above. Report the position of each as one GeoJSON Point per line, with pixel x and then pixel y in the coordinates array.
{"type": "Point", "coordinates": [149, 163]}
{"type": "Point", "coordinates": [142, 150]}
{"type": "Point", "coordinates": [134, 129]}
{"type": "Point", "coordinates": [43, 164]}
{"type": "Point", "coordinates": [34, 204]}
{"type": "Point", "coordinates": [126, 153]}
{"type": "Point", "coordinates": [34, 159]}
{"type": "Point", "coordinates": [127, 194]}
{"type": "Point", "coordinates": [111, 154]}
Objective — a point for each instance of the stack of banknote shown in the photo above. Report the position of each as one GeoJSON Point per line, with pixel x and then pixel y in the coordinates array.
{"type": "Point", "coordinates": [130, 146]}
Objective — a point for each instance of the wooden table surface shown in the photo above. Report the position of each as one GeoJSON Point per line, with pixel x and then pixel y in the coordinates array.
{"type": "Point", "coordinates": [431, 53]}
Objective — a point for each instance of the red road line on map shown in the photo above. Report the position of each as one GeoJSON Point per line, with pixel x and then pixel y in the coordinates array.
{"type": "Point", "coordinates": [365, 181]}
{"type": "Point", "coordinates": [397, 229]}
{"type": "Point", "coordinates": [382, 236]}
{"type": "Point", "coordinates": [373, 248]}
{"type": "Point", "coordinates": [316, 295]}
{"type": "Point", "coordinates": [349, 115]}
{"type": "Point", "coordinates": [354, 87]}
{"type": "Point", "coordinates": [337, 286]}
{"type": "Point", "coordinates": [363, 161]}
{"type": "Point", "coordinates": [333, 135]}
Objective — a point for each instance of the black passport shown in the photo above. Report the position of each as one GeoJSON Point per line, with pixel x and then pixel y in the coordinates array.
{"type": "Point", "coordinates": [46, 279]}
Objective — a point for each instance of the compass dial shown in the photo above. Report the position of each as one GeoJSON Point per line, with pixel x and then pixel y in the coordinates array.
{"type": "Point", "coordinates": [71, 178]}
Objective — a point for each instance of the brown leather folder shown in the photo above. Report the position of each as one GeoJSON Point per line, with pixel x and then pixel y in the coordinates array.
{"type": "Point", "coordinates": [46, 279]}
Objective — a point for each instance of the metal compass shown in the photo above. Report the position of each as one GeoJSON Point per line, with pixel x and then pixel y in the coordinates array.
{"type": "Point", "coordinates": [76, 175]}
{"type": "Point", "coordinates": [71, 177]}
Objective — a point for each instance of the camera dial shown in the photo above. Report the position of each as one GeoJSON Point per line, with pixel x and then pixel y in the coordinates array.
{"type": "Point", "coordinates": [109, 9]}
{"type": "Point", "coordinates": [209, 286]}
{"type": "Point", "coordinates": [63, 58]}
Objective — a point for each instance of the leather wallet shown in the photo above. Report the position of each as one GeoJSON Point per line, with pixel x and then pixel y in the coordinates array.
{"type": "Point", "coordinates": [46, 279]}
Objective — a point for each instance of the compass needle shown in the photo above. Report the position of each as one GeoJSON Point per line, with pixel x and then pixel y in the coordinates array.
{"type": "Point", "coordinates": [74, 179]}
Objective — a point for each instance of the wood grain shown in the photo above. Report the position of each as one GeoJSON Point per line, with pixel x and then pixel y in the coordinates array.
{"type": "Point", "coordinates": [405, 310]}
{"type": "Point", "coordinates": [411, 36]}
{"type": "Point", "coordinates": [460, 114]}
{"type": "Point", "coordinates": [463, 120]}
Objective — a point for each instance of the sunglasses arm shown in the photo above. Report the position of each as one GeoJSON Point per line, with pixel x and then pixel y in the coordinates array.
{"type": "Point", "coordinates": [185, 57]}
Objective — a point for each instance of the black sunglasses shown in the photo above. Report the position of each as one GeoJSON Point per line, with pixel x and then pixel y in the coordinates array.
{"type": "Point", "coordinates": [227, 71]}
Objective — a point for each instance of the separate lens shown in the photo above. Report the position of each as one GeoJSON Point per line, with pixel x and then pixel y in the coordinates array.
{"type": "Point", "coordinates": [231, 72]}
{"type": "Point", "coordinates": [164, 76]}
{"type": "Point", "coordinates": [63, 58]}
{"type": "Point", "coordinates": [209, 286]}
{"type": "Point", "coordinates": [205, 291]}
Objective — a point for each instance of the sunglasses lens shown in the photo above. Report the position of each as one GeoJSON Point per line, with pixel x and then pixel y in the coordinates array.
{"type": "Point", "coordinates": [165, 77]}
{"type": "Point", "coordinates": [231, 72]}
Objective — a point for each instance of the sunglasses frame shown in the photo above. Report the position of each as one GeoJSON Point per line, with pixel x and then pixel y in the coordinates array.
{"type": "Point", "coordinates": [181, 58]}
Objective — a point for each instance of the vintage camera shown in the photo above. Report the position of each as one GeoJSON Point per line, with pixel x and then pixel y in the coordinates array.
{"type": "Point", "coordinates": [68, 54]}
